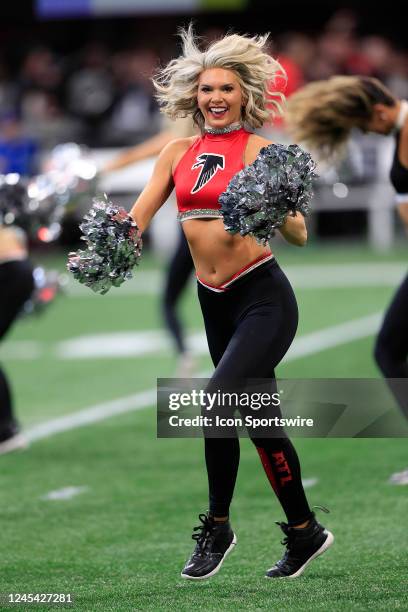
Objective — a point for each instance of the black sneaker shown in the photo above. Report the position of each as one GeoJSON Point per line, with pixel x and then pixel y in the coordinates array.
{"type": "Point", "coordinates": [214, 542]}
{"type": "Point", "coordinates": [302, 546]}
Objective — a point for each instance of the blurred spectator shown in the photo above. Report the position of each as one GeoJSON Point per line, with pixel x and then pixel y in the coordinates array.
{"type": "Point", "coordinates": [338, 47]}
{"type": "Point", "coordinates": [378, 53]}
{"type": "Point", "coordinates": [18, 152]}
{"type": "Point", "coordinates": [39, 85]}
{"type": "Point", "coordinates": [7, 90]}
{"type": "Point", "coordinates": [90, 90]}
{"type": "Point", "coordinates": [135, 114]}
{"type": "Point", "coordinates": [296, 54]}
{"type": "Point", "coordinates": [397, 80]}
{"type": "Point", "coordinates": [344, 21]}
{"type": "Point", "coordinates": [334, 50]}
{"type": "Point", "coordinates": [39, 98]}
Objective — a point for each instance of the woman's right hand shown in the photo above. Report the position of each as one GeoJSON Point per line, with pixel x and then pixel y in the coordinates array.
{"type": "Point", "coordinates": [294, 230]}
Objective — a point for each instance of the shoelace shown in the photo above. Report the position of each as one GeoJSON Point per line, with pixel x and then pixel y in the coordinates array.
{"type": "Point", "coordinates": [203, 538]}
{"type": "Point", "coordinates": [322, 508]}
{"type": "Point", "coordinates": [289, 536]}
{"type": "Point", "coordinates": [290, 533]}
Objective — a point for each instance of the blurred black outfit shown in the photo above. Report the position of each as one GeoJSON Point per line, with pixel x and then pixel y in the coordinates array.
{"type": "Point", "coordinates": [16, 286]}
{"type": "Point", "coordinates": [391, 348]}
{"type": "Point", "coordinates": [178, 273]}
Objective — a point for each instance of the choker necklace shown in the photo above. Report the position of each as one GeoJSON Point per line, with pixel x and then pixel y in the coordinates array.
{"type": "Point", "coordinates": [402, 115]}
{"type": "Point", "coordinates": [233, 127]}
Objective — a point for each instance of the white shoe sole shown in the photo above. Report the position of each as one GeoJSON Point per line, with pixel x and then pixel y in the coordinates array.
{"type": "Point", "coordinates": [17, 442]}
{"type": "Point", "coordinates": [217, 569]}
{"type": "Point", "coordinates": [326, 544]}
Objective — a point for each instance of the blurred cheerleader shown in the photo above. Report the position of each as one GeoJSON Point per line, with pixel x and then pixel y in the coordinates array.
{"type": "Point", "coordinates": [16, 280]}
{"type": "Point", "coordinates": [322, 114]}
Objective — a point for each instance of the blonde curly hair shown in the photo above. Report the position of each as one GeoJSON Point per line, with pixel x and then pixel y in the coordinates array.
{"type": "Point", "coordinates": [177, 83]}
{"type": "Point", "coordinates": [323, 113]}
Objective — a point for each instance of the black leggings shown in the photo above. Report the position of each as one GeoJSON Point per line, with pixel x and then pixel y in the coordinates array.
{"type": "Point", "coordinates": [16, 283]}
{"type": "Point", "coordinates": [179, 271]}
{"type": "Point", "coordinates": [391, 348]}
{"type": "Point", "coordinates": [249, 329]}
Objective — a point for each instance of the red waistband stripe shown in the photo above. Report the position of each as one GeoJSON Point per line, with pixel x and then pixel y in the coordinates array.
{"type": "Point", "coordinates": [245, 270]}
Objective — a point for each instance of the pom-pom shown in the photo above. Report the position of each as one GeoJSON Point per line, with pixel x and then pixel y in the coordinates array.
{"type": "Point", "coordinates": [259, 197]}
{"type": "Point", "coordinates": [114, 246]}
{"type": "Point", "coordinates": [33, 205]}
{"type": "Point", "coordinates": [47, 285]}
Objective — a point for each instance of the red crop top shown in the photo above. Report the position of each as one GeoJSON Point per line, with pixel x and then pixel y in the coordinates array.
{"type": "Point", "coordinates": [205, 170]}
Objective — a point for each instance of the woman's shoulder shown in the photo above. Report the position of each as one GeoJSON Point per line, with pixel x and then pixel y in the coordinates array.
{"type": "Point", "coordinates": [255, 144]}
{"type": "Point", "coordinates": [179, 144]}
{"type": "Point", "coordinates": [177, 148]}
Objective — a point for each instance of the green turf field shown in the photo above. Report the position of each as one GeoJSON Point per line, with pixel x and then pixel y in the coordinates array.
{"type": "Point", "coordinates": [121, 542]}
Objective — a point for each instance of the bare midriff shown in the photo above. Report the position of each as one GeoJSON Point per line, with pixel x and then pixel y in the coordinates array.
{"type": "Point", "coordinates": [217, 254]}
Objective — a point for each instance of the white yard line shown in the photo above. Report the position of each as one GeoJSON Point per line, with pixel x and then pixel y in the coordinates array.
{"type": "Point", "coordinates": [323, 339]}
{"type": "Point", "coordinates": [342, 276]}
{"type": "Point", "coordinates": [93, 414]}
{"type": "Point", "coordinates": [307, 344]}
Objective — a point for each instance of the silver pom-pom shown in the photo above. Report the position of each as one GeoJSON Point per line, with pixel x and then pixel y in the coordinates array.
{"type": "Point", "coordinates": [260, 197]}
{"type": "Point", "coordinates": [114, 246]}
{"type": "Point", "coordinates": [47, 285]}
{"type": "Point", "coordinates": [32, 204]}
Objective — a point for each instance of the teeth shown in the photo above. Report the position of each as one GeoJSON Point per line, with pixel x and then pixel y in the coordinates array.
{"type": "Point", "coordinates": [218, 110]}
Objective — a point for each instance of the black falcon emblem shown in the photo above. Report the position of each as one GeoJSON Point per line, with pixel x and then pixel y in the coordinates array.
{"type": "Point", "coordinates": [209, 163]}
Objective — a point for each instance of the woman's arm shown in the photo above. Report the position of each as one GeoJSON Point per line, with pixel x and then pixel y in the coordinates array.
{"type": "Point", "coordinates": [13, 242]}
{"type": "Point", "coordinates": [157, 190]}
{"type": "Point", "coordinates": [294, 230]}
{"type": "Point", "coordinates": [159, 187]}
{"type": "Point", "coordinates": [149, 148]}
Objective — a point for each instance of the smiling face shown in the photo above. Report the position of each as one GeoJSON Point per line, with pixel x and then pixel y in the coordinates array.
{"type": "Point", "coordinates": [219, 97]}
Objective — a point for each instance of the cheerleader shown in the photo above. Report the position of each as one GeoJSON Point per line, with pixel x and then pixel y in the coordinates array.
{"type": "Point", "coordinates": [322, 115]}
{"type": "Point", "coordinates": [249, 308]}
{"type": "Point", "coordinates": [16, 280]}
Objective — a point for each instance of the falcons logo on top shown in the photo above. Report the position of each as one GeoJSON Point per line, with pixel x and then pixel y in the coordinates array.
{"type": "Point", "coordinates": [210, 164]}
